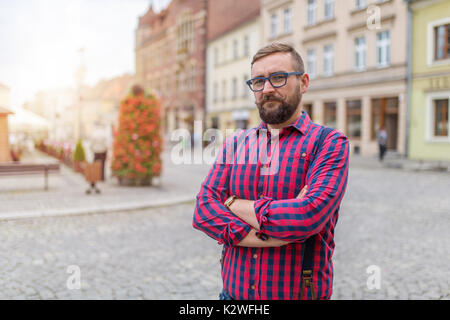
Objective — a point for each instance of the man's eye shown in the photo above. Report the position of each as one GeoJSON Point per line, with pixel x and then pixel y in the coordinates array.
{"type": "Point", "coordinates": [278, 78]}
{"type": "Point", "coordinates": [257, 82]}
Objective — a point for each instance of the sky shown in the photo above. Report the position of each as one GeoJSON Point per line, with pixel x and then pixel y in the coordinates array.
{"type": "Point", "coordinates": [40, 42]}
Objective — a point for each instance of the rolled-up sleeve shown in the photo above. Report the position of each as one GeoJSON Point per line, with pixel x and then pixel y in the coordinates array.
{"type": "Point", "coordinates": [210, 215]}
{"type": "Point", "coordinates": [298, 219]}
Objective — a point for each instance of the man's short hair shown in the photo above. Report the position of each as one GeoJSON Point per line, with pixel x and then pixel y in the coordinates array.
{"type": "Point", "coordinates": [275, 47]}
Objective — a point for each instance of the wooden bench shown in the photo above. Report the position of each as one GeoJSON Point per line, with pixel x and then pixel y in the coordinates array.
{"type": "Point", "coordinates": [13, 169]}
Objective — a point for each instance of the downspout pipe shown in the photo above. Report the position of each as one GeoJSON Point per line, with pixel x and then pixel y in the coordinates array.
{"type": "Point", "coordinates": [408, 80]}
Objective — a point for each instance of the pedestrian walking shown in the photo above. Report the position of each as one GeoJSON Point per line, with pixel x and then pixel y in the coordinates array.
{"type": "Point", "coordinates": [99, 146]}
{"type": "Point", "coordinates": [382, 142]}
{"type": "Point", "coordinates": [275, 217]}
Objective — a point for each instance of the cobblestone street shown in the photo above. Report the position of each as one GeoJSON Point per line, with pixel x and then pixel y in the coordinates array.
{"type": "Point", "coordinates": [395, 220]}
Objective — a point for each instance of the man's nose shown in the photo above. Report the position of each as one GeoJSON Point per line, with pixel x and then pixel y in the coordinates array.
{"type": "Point", "coordinates": [267, 87]}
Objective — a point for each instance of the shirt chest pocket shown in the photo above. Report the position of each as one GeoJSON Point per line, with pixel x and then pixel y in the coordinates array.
{"type": "Point", "coordinates": [297, 165]}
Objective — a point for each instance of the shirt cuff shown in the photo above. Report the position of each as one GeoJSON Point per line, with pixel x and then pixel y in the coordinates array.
{"type": "Point", "coordinates": [261, 207]}
{"type": "Point", "coordinates": [234, 233]}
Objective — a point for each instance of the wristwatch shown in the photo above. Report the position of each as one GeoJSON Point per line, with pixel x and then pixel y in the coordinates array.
{"type": "Point", "coordinates": [229, 201]}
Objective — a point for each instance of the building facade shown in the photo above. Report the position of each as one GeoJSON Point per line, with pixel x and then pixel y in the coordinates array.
{"type": "Point", "coordinates": [429, 137]}
{"type": "Point", "coordinates": [355, 53]}
{"type": "Point", "coordinates": [4, 112]}
{"type": "Point", "coordinates": [170, 60]}
{"type": "Point", "coordinates": [233, 39]}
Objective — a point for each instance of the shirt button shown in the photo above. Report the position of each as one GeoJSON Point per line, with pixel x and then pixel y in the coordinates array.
{"type": "Point", "coordinates": [303, 154]}
{"type": "Point", "coordinates": [255, 256]}
{"type": "Point", "coordinates": [253, 287]}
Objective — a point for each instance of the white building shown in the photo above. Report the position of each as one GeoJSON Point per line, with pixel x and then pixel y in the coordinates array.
{"type": "Point", "coordinates": [229, 101]}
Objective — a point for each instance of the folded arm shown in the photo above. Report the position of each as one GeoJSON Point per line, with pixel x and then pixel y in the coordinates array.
{"type": "Point", "coordinates": [297, 219]}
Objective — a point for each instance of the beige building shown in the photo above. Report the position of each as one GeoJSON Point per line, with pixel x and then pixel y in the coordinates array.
{"type": "Point", "coordinates": [230, 103]}
{"type": "Point", "coordinates": [355, 52]}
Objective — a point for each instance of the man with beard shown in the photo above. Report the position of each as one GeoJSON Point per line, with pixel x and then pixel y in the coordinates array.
{"type": "Point", "coordinates": [276, 216]}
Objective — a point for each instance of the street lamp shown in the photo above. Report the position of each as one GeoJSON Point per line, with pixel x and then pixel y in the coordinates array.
{"type": "Point", "coordinates": [79, 77]}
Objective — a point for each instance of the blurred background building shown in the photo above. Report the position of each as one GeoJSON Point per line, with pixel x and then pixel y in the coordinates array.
{"type": "Point", "coordinates": [170, 60]}
{"type": "Point", "coordinates": [355, 53]}
{"type": "Point", "coordinates": [372, 64]}
{"type": "Point", "coordinates": [233, 39]}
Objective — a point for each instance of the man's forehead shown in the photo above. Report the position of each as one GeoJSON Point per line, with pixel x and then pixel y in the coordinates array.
{"type": "Point", "coordinates": [280, 61]}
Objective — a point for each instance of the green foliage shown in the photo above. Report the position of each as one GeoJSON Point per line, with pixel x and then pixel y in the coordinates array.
{"type": "Point", "coordinates": [79, 154]}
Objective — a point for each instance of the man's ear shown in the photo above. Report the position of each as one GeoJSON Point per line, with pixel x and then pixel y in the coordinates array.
{"type": "Point", "coordinates": [304, 83]}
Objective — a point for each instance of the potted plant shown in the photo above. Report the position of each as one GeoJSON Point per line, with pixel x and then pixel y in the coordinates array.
{"type": "Point", "coordinates": [138, 142]}
{"type": "Point", "coordinates": [79, 157]}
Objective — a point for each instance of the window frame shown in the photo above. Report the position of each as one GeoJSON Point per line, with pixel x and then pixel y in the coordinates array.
{"type": "Point", "coordinates": [328, 58]}
{"type": "Point", "coordinates": [432, 42]}
{"type": "Point", "coordinates": [430, 123]}
{"type": "Point", "coordinates": [385, 46]}
{"type": "Point", "coordinates": [274, 25]}
{"type": "Point", "coordinates": [311, 12]}
{"type": "Point", "coordinates": [328, 5]}
{"type": "Point", "coordinates": [359, 48]}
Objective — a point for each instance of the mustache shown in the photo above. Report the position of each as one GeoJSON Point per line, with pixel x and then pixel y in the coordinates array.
{"type": "Point", "coordinates": [271, 98]}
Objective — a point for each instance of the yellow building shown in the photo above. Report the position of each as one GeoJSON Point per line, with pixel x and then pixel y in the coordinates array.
{"type": "Point", "coordinates": [430, 80]}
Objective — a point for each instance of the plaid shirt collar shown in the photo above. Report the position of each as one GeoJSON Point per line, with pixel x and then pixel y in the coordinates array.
{"type": "Point", "coordinates": [301, 124]}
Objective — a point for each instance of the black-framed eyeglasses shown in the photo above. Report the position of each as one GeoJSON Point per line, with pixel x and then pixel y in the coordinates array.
{"type": "Point", "coordinates": [277, 80]}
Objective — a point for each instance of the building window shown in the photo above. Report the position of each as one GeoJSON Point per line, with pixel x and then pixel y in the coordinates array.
{"type": "Point", "coordinates": [442, 42]}
{"type": "Point", "coordinates": [354, 118]}
{"type": "Point", "coordinates": [385, 114]}
{"type": "Point", "coordinates": [242, 124]}
{"type": "Point", "coordinates": [235, 49]}
{"type": "Point", "coordinates": [234, 89]}
{"type": "Point", "coordinates": [441, 121]}
{"type": "Point", "coordinates": [328, 60]}
{"type": "Point", "coordinates": [246, 46]}
{"type": "Point", "coordinates": [311, 11]}
{"type": "Point", "coordinates": [329, 9]}
{"type": "Point", "coordinates": [215, 122]}
{"type": "Point", "coordinates": [360, 53]}
{"type": "Point", "coordinates": [360, 4]}
{"type": "Point", "coordinates": [308, 108]}
{"type": "Point", "coordinates": [383, 48]}
{"type": "Point", "coordinates": [245, 89]}
{"type": "Point", "coordinates": [224, 90]}
{"type": "Point", "coordinates": [311, 63]}
{"type": "Point", "coordinates": [273, 25]}
{"type": "Point", "coordinates": [185, 35]}
{"type": "Point", "coordinates": [215, 91]}
{"type": "Point", "coordinates": [287, 20]}
{"type": "Point", "coordinates": [330, 114]}
{"type": "Point", "coordinates": [216, 56]}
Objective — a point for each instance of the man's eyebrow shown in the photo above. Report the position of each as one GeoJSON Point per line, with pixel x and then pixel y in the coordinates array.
{"type": "Point", "coordinates": [261, 75]}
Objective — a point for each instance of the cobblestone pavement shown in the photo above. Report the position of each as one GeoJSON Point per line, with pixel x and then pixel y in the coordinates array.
{"type": "Point", "coordinates": [397, 221]}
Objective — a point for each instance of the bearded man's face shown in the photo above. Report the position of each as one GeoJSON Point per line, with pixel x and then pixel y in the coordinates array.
{"type": "Point", "coordinates": [277, 105]}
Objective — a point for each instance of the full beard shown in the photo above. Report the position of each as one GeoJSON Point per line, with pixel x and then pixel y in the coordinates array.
{"type": "Point", "coordinates": [276, 115]}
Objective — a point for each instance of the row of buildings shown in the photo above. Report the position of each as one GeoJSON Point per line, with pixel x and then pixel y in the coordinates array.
{"type": "Point", "coordinates": [372, 63]}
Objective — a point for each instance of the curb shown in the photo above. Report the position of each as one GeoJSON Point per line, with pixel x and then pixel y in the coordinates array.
{"type": "Point", "coordinates": [96, 210]}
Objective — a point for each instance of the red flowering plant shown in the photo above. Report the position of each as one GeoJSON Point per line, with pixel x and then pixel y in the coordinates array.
{"type": "Point", "coordinates": [138, 143]}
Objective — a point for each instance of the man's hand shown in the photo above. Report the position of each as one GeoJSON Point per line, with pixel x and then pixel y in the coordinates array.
{"type": "Point", "coordinates": [244, 209]}
{"type": "Point", "coordinates": [302, 192]}
{"type": "Point", "coordinates": [251, 240]}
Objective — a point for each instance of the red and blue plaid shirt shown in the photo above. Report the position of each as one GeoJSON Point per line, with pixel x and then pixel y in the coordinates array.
{"type": "Point", "coordinates": [273, 181]}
